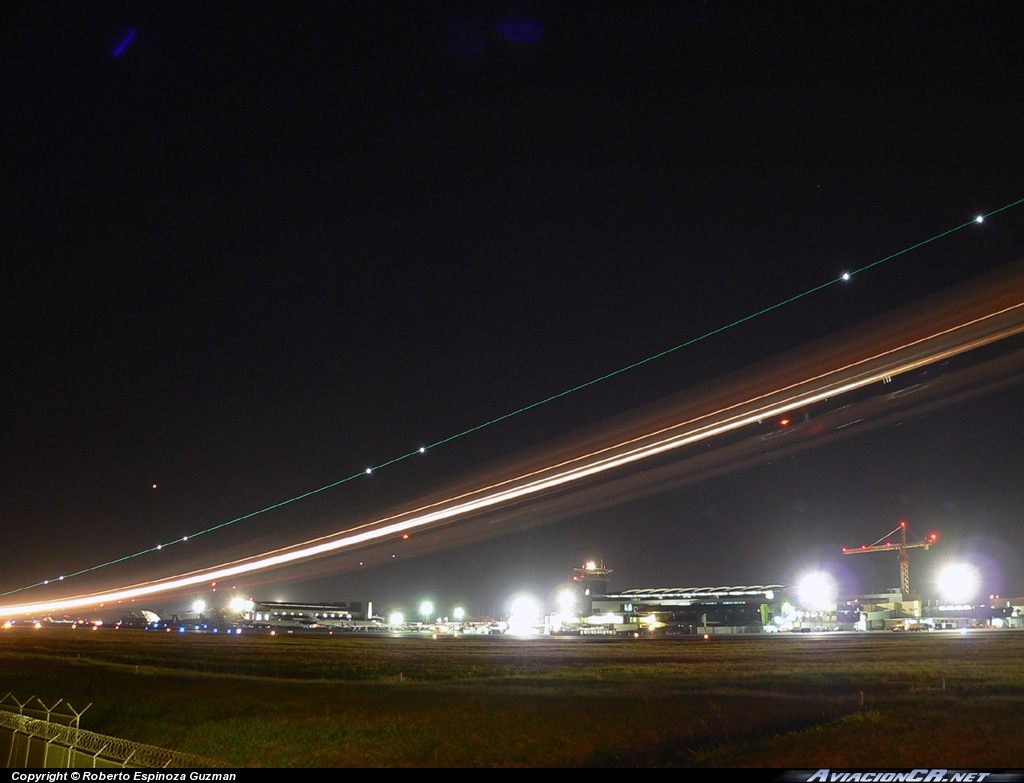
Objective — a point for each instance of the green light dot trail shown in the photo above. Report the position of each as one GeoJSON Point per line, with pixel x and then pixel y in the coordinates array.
{"type": "Point", "coordinates": [846, 276]}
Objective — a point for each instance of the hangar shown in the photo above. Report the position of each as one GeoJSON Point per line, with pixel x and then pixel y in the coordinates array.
{"type": "Point", "coordinates": [691, 610]}
{"type": "Point", "coordinates": [279, 614]}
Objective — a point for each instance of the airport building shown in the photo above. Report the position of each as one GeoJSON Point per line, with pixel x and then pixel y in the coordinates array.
{"type": "Point", "coordinates": [278, 614]}
{"type": "Point", "coordinates": [690, 610]}
{"type": "Point", "coordinates": [588, 607]}
{"type": "Point", "coordinates": [741, 609]}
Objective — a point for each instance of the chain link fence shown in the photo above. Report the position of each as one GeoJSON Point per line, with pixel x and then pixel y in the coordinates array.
{"type": "Point", "coordinates": [26, 741]}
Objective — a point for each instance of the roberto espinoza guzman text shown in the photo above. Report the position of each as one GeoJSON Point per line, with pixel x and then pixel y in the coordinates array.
{"type": "Point", "coordinates": [136, 776]}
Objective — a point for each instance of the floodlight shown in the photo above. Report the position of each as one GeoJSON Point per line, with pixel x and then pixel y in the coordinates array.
{"type": "Point", "coordinates": [959, 582]}
{"type": "Point", "coordinates": [817, 591]}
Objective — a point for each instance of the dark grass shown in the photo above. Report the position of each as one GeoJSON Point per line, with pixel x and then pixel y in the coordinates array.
{"type": "Point", "coordinates": [799, 701]}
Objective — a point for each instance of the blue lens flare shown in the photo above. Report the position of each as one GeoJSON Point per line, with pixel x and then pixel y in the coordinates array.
{"type": "Point", "coordinates": [519, 28]}
{"type": "Point", "coordinates": [118, 50]}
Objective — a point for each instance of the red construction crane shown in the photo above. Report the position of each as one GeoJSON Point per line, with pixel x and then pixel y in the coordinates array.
{"type": "Point", "coordinates": [900, 548]}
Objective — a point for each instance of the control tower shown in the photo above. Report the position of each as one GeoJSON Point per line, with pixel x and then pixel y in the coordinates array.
{"type": "Point", "coordinates": [591, 580]}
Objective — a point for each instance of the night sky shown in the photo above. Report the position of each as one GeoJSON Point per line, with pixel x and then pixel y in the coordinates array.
{"type": "Point", "coordinates": [250, 252]}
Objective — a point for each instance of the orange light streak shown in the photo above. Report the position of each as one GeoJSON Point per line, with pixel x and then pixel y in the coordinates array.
{"type": "Point", "coordinates": [830, 383]}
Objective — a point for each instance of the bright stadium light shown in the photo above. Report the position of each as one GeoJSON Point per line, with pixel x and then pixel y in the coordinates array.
{"type": "Point", "coordinates": [427, 609]}
{"type": "Point", "coordinates": [396, 619]}
{"type": "Point", "coordinates": [199, 606]}
{"type": "Point", "coordinates": [817, 591]}
{"type": "Point", "coordinates": [959, 582]}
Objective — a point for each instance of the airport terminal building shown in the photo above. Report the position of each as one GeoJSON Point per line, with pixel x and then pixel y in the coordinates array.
{"type": "Point", "coordinates": [689, 610]}
{"type": "Point", "coordinates": [278, 614]}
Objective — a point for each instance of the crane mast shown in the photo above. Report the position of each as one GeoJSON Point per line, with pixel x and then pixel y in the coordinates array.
{"type": "Point", "coordinates": [900, 549]}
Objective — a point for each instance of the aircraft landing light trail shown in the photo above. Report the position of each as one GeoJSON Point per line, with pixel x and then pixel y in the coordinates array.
{"type": "Point", "coordinates": [942, 328]}
{"type": "Point", "coordinates": [844, 277]}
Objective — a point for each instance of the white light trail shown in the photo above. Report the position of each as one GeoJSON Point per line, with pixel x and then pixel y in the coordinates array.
{"type": "Point", "coordinates": [804, 392]}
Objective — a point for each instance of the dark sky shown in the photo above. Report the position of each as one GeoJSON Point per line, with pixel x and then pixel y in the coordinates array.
{"type": "Point", "coordinates": [250, 252]}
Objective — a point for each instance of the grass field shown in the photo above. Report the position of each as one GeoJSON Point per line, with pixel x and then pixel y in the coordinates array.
{"type": "Point", "coordinates": [799, 701]}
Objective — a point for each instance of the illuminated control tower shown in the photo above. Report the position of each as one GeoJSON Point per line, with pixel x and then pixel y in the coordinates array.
{"type": "Point", "coordinates": [592, 580]}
